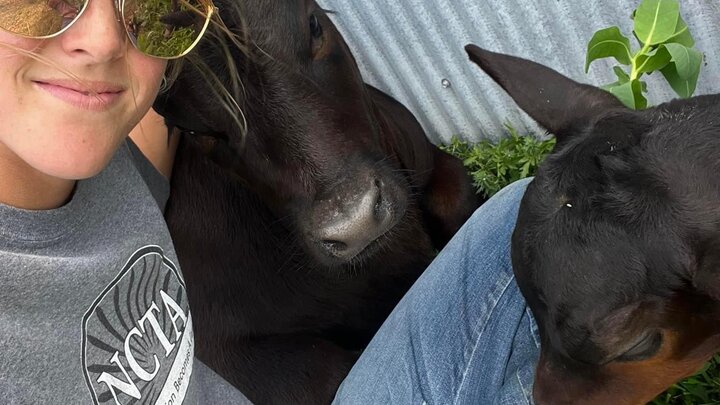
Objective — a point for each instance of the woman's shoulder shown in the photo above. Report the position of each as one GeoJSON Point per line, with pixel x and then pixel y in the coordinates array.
{"type": "Point", "coordinates": [157, 145]}
{"type": "Point", "coordinates": [155, 181]}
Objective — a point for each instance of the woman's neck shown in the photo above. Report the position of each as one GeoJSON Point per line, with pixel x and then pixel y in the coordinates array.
{"type": "Point", "coordinates": [22, 186]}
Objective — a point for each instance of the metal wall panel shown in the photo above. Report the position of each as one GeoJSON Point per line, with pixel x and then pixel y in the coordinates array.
{"type": "Point", "coordinates": [413, 49]}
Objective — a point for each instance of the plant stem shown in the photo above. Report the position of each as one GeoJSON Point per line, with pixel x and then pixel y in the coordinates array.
{"type": "Point", "coordinates": [635, 68]}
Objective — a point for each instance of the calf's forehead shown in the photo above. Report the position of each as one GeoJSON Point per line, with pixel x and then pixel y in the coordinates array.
{"type": "Point", "coordinates": [588, 265]}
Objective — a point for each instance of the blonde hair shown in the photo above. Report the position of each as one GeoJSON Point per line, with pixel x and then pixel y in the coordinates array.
{"type": "Point", "coordinates": [229, 96]}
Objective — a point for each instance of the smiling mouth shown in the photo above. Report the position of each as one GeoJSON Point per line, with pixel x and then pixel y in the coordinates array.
{"type": "Point", "coordinates": [99, 97]}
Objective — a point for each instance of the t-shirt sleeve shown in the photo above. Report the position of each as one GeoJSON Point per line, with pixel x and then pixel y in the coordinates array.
{"type": "Point", "coordinates": [213, 389]}
{"type": "Point", "coordinates": [157, 183]}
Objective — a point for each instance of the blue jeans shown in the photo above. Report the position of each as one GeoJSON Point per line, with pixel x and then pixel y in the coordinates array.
{"type": "Point", "coordinates": [463, 333]}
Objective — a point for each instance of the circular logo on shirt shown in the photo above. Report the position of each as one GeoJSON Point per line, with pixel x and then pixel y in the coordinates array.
{"type": "Point", "coordinates": [137, 344]}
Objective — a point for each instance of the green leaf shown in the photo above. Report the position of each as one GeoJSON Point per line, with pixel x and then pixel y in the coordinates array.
{"type": "Point", "coordinates": [624, 93]}
{"type": "Point", "coordinates": [622, 76]}
{"type": "Point", "coordinates": [638, 87]}
{"type": "Point", "coordinates": [682, 34]}
{"type": "Point", "coordinates": [683, 87]}
{"type": "Point", "coordinates": [651, 62]}
{"type": "Point", "coordinates": [683, 72]}
{"type": "Point", "coordinates": [630, 94]}
{"type": "Point", "coordinates": [687, 61]}
{"type": "Point", "coordinates": [525, 170]}
{"type": "Point", "coordinates": [655, 20]}
{"type": "Point", "coordinates": [699, 391]}
{"type": "Point", "coordinates": [608, 43]}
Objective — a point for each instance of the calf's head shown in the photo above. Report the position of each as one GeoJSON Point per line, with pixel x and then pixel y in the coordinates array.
{"type": "Point", "coordinates": [315, 150]}
{"type": "Point", "coordinates": [617, 243]}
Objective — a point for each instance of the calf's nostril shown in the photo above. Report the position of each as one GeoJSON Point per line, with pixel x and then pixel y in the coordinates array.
{"type": "Point", "coordinates": [334, 246]}
{"type": "Point", "coordinates": [379, 209]}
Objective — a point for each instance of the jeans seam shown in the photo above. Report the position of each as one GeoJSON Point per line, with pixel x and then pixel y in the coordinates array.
{"type": "Point", "coordinates": [524, 389]}
{"type": "Point", "coordinates": [533, 327]}
{"type": "Point", "coordinates": [477, 339]}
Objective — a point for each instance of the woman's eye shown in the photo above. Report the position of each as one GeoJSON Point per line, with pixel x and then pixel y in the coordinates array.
{"type": "Point", "coordinates": [644, 349]}
{"type": "Point", "coordinates": [315, 28]}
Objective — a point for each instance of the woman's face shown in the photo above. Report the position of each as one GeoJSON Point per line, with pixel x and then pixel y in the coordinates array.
{"type": "Point", "coordinates": [63, 127]}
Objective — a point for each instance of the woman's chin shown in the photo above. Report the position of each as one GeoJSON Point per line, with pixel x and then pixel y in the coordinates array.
{"type": "Point", "coordinates": [74, 165]}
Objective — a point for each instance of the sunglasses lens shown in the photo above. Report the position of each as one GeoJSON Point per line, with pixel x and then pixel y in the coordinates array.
{"type": "Point", "coordinates": [38, 18]}
{"type": "Point", "coordinates": [165, 28]}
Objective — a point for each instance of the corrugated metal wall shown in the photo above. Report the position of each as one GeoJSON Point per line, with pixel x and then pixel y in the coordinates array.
{"type": "Point", "coordinates": [413, 49]}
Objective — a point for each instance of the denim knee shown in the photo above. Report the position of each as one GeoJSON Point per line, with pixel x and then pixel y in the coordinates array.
{"type": "Point", "coordinates": [498, 215]}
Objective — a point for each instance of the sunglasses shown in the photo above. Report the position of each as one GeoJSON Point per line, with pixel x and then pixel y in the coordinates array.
{"type": "Point", "coordinates": [166, 29]}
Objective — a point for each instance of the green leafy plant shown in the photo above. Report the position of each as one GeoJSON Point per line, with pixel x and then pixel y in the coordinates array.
{"type": "Point", "coordinates": [701, 389]}
{"type": "Point", "coordinates": [666, 45]}
{"type": "Point", "coordinates": [493, 166]}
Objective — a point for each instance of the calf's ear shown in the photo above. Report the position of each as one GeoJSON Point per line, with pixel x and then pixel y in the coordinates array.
{"type": "Point", "coordinates": [707, 274]}
{"type": "Point", "coordinates": [559, 104]}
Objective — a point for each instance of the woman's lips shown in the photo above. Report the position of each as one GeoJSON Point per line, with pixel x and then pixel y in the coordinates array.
{"type": "Point", "coordinates": [96, 96]}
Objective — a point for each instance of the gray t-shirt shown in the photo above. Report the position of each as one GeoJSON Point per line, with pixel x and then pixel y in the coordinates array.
{"type": "Point", "coordinates": [93, 306]}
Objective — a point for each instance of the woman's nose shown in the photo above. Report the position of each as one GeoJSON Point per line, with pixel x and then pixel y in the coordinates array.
{"type": "Point", "coordinates": [97, 35]}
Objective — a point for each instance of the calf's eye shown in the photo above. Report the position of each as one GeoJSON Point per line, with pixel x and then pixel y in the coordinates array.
{"type": "Point", "coordinates": [645, 348]}
{"type": "Point", "coordinates": [315, 28]}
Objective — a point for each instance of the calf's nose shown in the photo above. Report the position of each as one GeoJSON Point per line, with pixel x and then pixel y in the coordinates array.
{"type": "Point", "coordinates": [353, 217]}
